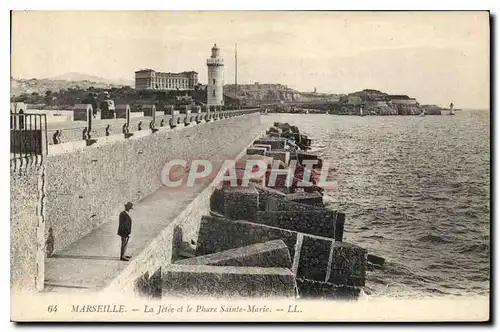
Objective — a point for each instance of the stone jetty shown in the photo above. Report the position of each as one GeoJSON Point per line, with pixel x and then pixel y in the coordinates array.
{"type": "Point", "coordinates": [257, 238]}
{"type": "Point", "coordinates": [258, 241]}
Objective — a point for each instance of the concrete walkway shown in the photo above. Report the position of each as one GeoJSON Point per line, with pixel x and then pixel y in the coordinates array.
{"type": "Point", "coordinates": [93, 262]}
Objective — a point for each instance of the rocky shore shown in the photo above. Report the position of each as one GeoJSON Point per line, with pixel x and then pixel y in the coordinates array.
{"type": "Point", "coordinates": [365, 102]}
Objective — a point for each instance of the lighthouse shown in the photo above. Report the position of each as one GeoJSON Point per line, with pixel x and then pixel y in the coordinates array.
{"type": "Point", "coordinates": [215, 88]}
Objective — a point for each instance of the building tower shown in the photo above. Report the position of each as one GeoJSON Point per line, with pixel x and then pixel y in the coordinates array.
{"type": "Point", "coordinates": [215, 89]}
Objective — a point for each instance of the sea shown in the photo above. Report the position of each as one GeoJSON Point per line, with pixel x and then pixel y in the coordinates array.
{"type": "Point", "coordinates": [415, 191]}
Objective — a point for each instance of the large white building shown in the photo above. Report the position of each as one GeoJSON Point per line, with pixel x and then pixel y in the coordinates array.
{"type": "Point", "coordinates": [215, 87]}
{"type": "Point", "coordinates": [148, 79]}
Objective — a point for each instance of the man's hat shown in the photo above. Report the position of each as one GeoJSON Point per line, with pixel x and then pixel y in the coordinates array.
{"type": "Point", "coordinates": [129, 204]}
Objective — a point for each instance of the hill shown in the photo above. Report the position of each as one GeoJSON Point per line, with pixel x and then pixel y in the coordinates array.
{"type": "Point", "coordinates": [79, 77]}
{"type": "Point", "coordinates": [265, 93]}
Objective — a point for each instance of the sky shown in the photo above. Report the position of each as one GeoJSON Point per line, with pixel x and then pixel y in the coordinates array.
{"type": "Point", "coordinates": [436, 57]}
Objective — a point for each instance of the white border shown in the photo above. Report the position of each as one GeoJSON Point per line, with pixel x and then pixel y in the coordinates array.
{"type": "Point", "coordinates": [191, 5]}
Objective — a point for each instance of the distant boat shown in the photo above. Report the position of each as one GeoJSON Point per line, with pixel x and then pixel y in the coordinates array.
{"type": "Point", "coordinates": [451, 109]}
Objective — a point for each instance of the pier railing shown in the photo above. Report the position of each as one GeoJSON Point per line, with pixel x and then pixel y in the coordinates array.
{"type": "Point", "coordinates": [32, 133]}
{"type": "Point", "coordinates": [28, 135]}
{"type": "Point", "coordinates": [90, 126]}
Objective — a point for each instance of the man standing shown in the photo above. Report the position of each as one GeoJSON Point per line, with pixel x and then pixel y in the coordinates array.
{"type": "Point", "coordinates": [124, 229]}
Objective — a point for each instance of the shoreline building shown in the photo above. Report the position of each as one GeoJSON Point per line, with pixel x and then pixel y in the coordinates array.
{"type": "Point", "coordinates": [149, 79]}
{"type": "Point", "coordinates": [215, 87]}
{"type": "Point", "coordinates": [401, 100]}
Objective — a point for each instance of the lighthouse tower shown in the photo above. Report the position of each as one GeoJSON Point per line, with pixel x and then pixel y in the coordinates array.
{"type": "Point", "coordinates": [215, 64]}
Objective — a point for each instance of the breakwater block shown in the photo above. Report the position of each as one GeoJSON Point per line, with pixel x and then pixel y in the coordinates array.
{"type": "Point", "coordinates": [259, 151]}
{"type": "Point", "coordinates": [295, 137]}
{"type": "Point", "coordinates": [173, 120]}
{"type": "Point", "coordinates": [168, 109]}
{"type": "Point", "coordinates": [149, 286]}
{"type": "Point", "coordinates": [284, 156]}
{"type": "Point", "coordinates": [258, 181]}
{"type": "Point", "coordinates": [273, 204]}
{"type": "Point", "coordinates": [292, 148]}
{"type": "Point", "coordinates": [348, 265]}
{"type": "Point", "coordinates": [265, 146]}
{"type": "Point", "coordinates": [313, 258]}
{"type": "Point", "coordinates": [313, 198]}
{"type": "Point", "coordinates": [226, 281]}
{"type": "Point", "coordinates": [268, 254]}
{"type": "Point", "coordinates": [107, 114]}
{"type": "Point", "coordinates": [241, 203]}
{"type": "Point", "coordinates": [301, 156]}
{"type": "Point", "coordinates": [276, 144]}
{"type": "Point", "coordinates": [218, 234]}
{"type": "Point", "coordinates": [315, 222]}
{"type": "Point", "coordinates": [327, 291]}
{"type": "Point", "coordinates": [266, 193]}
{"type": "Point", "coordinates": [275, 130]}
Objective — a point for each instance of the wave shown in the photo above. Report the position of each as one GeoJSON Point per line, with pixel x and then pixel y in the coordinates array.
{"type": "Point", "coordinates": [480, 248]}
{"type": "Point", "coordinates": [379, 237]}
{"type": "Point", "coordinates": [433, 239]}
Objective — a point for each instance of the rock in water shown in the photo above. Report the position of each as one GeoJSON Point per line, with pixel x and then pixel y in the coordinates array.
{"type": "Point", "coordinates": [376, 260]}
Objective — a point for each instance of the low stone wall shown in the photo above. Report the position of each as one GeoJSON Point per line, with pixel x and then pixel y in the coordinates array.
{"type": "Point", "coordinates": [70, 131]}
{"type": "Point", "coordinates": [141, 275]}
{"type": "Point", "coordinates": [86, 186]}
{"type": "Point", "coordinates": [408, 109]}
{"type": "Point", "coordinates": [410, 101]}
{"type": "Point", "coordinates": [375, 103]}
{"type": "Point", "coordinates": [26, 228]}
{"type": "Point", "coordinates": [63, 198]}
{"type": "Point", "coordinates": [265, 254]}
{"type": "Point", "coordinates": [381, 110]}
{"type": "Point", "coordinates": [185, 281]}
{"type": "Point", "coordinates": [54, 116]}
